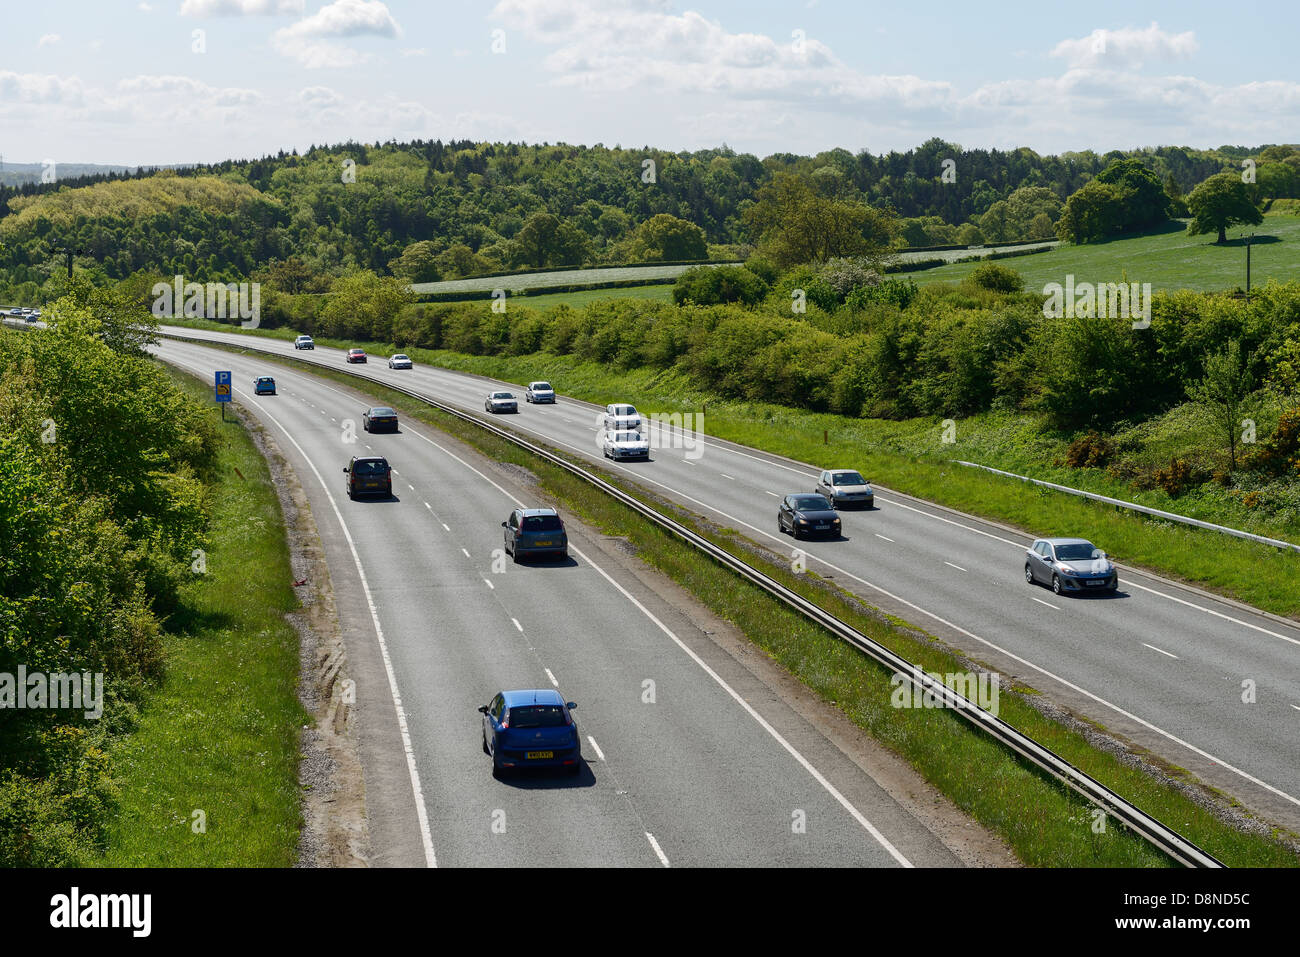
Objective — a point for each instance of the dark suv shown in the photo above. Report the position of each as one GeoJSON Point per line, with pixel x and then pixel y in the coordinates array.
{"type": "Point", "coordinates": [532, 531]}
{"type": "Point", "coordinates": [369, 475]}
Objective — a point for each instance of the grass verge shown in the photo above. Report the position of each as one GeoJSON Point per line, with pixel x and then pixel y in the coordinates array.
{"type": "Point", "coordinates": [1045, 823]}
{"type": "Point", "coordinates": [209, 778]}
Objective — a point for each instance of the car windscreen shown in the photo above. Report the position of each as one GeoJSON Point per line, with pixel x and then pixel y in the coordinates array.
{"type": "Point", "coordinates": [502, 395]}
{"type": "Point", "coordinates": [627, 436]}
{"type": "Point", "coordinates": [811, 502]}
{"type": "Point", "coordinates": [849, 478]}
{"type": "Point", "coordinates": [538, 716]}
{"type": "Point", "coordinates": [1076, 553]}
{"type": "Point", "coordinates": [624, 410]}
{"type": "Point", "coordinates": [542, 523]}
{"type": "Point", "coordinates": [541, 387]}
{"type": "Point", "coordinates": [370, 468]}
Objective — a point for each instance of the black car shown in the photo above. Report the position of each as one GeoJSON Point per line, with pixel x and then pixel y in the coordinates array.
{"type": "Point", "coordinates": [804, 514]}
{"type": "Point", "coordinates": [379, 418]}
{"type": "Point", "coordinates": [369, 475]}
{"type": "Point", "coordinates": [532, 531]}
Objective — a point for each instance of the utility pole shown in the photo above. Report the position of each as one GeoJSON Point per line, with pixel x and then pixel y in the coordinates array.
{"type": "Point", "coordinates": [69, 252]}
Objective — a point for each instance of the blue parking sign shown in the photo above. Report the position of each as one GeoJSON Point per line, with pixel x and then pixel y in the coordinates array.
{"type": "Point", "coordinates": [223, 386]}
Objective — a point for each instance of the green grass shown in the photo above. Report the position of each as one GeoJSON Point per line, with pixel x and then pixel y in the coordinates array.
{"type": "Point", "coordinates": [1168, 260]}
{"type": "Point", "coordinates": [220, 735]}
{"type": "Point", "coordinates": [1043, 822]}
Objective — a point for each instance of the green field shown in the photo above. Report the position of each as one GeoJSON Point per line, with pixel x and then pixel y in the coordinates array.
{"type": "Point", "coordinates": [576, 300]}
{"type": "Point", "coordinates": [1168, 260]}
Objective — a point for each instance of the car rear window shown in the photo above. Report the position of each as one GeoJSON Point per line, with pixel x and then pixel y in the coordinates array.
{"type": "Point", "coordinates": [380, 410]}
{"type": "Point", "coordinates": [371, 468]}
{"type": "Point", "coordinates": [538, 716]}
{"type": "Point", "coordinates": [542, 523]}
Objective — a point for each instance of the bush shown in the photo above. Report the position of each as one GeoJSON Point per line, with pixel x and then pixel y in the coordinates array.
{"type": "Point", "coordinates": [1091, 451]}
{"type": "Point", "coordinates": [989, 275]}
{"type": "Point", "coordinates": [717, 285]}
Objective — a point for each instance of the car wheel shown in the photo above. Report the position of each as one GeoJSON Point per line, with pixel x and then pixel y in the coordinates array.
{"type": "Point", "coordinates": [1056, 584]}
{"type": "Point", "coordinates": [794, 532]}
{"type": "Point", "coordinates": [514, 555]}
{"type": "Point", "coordinates": [496, 769]}
{"type": "Point", "coordinates": [485, 747]}
{"type": "Point", "coordinates": [350, 492]}
{"type": "Point", "coordinates": [1029, 574]}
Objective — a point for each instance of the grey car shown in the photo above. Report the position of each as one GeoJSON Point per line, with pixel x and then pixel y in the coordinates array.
{"type": "Point", "coordinates": [1070, 566]}
{"type": "Point", "coordinates": [539, 392]}
{"type": "Point", "coordinates": [500, 402]}
{"type": "Point", "coordinates": [845, 487]}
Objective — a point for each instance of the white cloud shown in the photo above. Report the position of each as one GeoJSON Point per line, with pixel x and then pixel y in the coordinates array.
{"type": "Point", "coordinates": [238, 8]}
{"type": "Point", "coordinates": [415, 51]}
{"type": "Point", "coordinates": [1129, 46]}
{"type": "Point", "coordinates": [48, 40]}
{"type": "Point", "coordinates": [312, 43]}
{"type": "Point", "coordinates": [144, 7]}
{"type": "Point", "coordinates": [36, 88]}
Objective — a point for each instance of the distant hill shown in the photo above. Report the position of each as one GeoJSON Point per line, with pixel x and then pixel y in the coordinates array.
{"type": "Point", "coordinates": [17, 174]}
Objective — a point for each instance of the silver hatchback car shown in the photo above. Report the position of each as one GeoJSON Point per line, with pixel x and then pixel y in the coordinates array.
{"type": "Point", "coordinates": [1070, 565]}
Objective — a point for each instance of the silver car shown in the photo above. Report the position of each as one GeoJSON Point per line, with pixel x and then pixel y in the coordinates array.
{"type": "Point", "coordinates": [626, 445]}
{"type": "Point", "coordinates": [500, 402]}
{"type": "Point", "coordinates": [539, 392]}
{"type": "Point", "coordinates": [845, 487]}
{"type": "Point", "coordinates": [1070, 566]}
{"type": "Point", "coordinates": [622, 418]}
{"type": "Point", "coordinates": [399, 361]}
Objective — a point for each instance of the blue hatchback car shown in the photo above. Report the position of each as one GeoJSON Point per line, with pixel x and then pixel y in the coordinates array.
{"type": "Point", "coordinates": [263, 385]}
{"type": "Point", "coordinates": [531, 729]}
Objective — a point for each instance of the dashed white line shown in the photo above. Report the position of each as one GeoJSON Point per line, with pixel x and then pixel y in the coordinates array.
{"type": "Point", "coordinates": [1161, 650]}
{"type": "Point", "coordinates": [1047, 603]}
{"type": "Point", "coordinates": [489, 584]}
{"type": "Point", "coordinates": [594, 746]}
{"type": "Point", "coordinates": [428, 506]}
{"type": "Point", "coordinates": [465, 552]}
{"type": "Point", "coordinates": [773, 494]}
{"type": "Point", "coordinates": [726, 476]}
{"type": "Point", "coordinates": [1296, 706]}
{"type": "Point", "coordinates": [554, 683]}
{"type": "Point", "coordinates": [885, 537]}
{"type": "Point", "coordinates": [445, 526]}
{"type": "Point", "coordinates": [663, 858]}
{"type": "Point", "coordinates": [520, 627]}
{"type": "Point", "coordinates": [958, 567]}
{"type": "Point", "coordinates": [410, 486]}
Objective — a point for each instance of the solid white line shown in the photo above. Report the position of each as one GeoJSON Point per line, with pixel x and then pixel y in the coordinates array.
{"type": "Point", "coordinates": [776, 735]}
{"type": "Point", "coordinates": [595, 747]}
{"type": "Point", "coordinates": [885, 537]}
{"type": "Point", "coordinates": [554, 683]}
{"type": "Point", "coordinates": [958, 567]}
{"type": "Point", "coordinates": [421, 813]}
{"type": "Point", "coordinates": [663, 859]}
{"type": "Point", "coordinates": [1162, 651]}
{"type": "Point", "coordinates": [519, 627]}
{"type": "Point", "coordinates": [1047, 603]}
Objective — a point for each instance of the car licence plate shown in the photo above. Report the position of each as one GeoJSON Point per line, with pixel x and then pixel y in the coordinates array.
{"type": "Point", "coordinates": [823, 526]}
{"type": "Point", "coordinates": [531, 755]}
{"type": "Point", "coordinates": [547, 542]}
{"type": "Point", "coordinates": [1093, 584]}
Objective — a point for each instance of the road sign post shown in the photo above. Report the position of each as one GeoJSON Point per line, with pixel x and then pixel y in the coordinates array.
{"type": "Point", "coordinates": [223, 390]}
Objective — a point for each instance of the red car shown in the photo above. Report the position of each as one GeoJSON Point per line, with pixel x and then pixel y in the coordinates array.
{"type": "Point", "coordinates": [356, 355]}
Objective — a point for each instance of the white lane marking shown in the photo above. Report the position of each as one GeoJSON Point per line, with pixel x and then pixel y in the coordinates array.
{"type": "Point", "coordinates": [763, 723]}
{"type": "Point", "coordinates": [663, 858]}
{"type": "Point", "coordinates": [428, 506]}
{"type": "Point", "coordinates": [1161, 650]}
{"type": "Point", "coordinates": [368, 447]}
{"type": "Point", "coordinates": [445, 526]}
{"type": "Point", "coordinates": [1296, 706]}
{"type": "Point", "coordinates": [596, 747]}
{"type": "Point", "coordinates": [773, 494]}
{"type": "Point", "coordinates": [726, 476]}
{"type": "Point", "coordinates": [943, 621]}
{"type": "Point", "coordinates": [489, 584]}
{"type": "Point", "coordinates": [519, 627]}
{"type": "Point", "coordinates": [410, 486]}
{"type": "Point", "coordinates": [1047, 603]}
{"type": "Point", "coordinates": [554, 683]}
{"type": "Point", "coordinates": [958, 567]}
{"type": "Point", "coordinates": [465, 552]}
{"type": "Point", "coordinates": [885, 537]}
{"type": "Point", "coordinates": [430, 858]}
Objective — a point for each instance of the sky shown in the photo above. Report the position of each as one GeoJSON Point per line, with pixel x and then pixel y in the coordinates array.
{"type": "Point", "coordinates": [154, 82]}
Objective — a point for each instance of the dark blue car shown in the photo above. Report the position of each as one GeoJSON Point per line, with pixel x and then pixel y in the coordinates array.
{"type": "Point", "coordinates": [531, 729]}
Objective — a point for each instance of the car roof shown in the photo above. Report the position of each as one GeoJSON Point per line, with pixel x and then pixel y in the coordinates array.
{"type": "Point", "coordinates": [843, 471]}
{"type": "Point", "coordinates": [527, 512]}
{"type": "Point", "coordinates": [539, 382]}
{"type": "Point", "coordinates": [380, 408]}
{"type": "Point", "coordinates": [1065, 541]}
{"type": "Point", "coordinates": [265, 378]}
{"type": "Point", "coordinates": [515, 699]}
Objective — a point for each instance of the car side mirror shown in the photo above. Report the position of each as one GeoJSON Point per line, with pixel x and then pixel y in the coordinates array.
{"type": "Point", "coordinates": [571, 705]}
{"type": "Point", "coordinates": [503, 524]}
{"type": "Point", "coordinates": [483, 709]}
{"type": "Point", "coordinates": [346, 469]}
